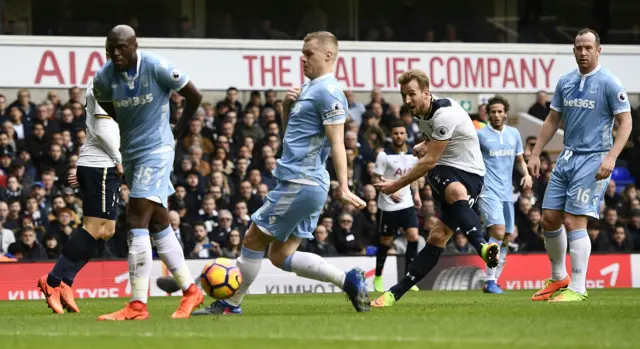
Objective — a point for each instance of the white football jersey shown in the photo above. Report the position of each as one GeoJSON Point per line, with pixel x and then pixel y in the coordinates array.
{"type": "Point", "coordinates": [392, 166]}
{"type": "Point", "coordinates": [447, 120]}
{"type": "Point", "coordinates": [92, 152]}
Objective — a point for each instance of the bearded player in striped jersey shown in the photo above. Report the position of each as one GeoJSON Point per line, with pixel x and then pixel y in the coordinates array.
{"type": "Point", "coordinates": [98, 176]}
{"type": "Point", "coordinates": [452, 161]}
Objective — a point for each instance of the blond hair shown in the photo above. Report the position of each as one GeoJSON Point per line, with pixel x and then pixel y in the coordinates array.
{"type": "Point", "coordinates": [323, 38]}
{"type": "Point", "coordinates": [414, 74]}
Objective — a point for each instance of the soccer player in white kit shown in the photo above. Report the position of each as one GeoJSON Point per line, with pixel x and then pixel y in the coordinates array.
{"type": "Point", "coordinates": [451, 157]}
{"type": "Point", "coordinates": [98, 175]}
{"type": "Point", "coordinates": [397, 210]}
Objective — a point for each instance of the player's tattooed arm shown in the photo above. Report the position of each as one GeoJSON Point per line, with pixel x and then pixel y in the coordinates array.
{"type": "Point", "coordinates": [192, 98]}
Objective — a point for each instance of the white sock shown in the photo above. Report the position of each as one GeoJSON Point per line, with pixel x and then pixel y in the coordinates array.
{"type": "Point", "coordinates": [502, 261]}
{"type": "Point", "coordinates": [556, 245]}
{"type": "Point", "coordinates": [171, 254]}
{"type": "Point", "coordinates": [491, 272]}
{"type": "Point", "coordinates": [579, 249]}
{"type": "Point", "coordinates": [312, 266]}
{"type": "Point", "coordinates": [140, 260]}
{"type": "Point", "coordinates": [249, 264]}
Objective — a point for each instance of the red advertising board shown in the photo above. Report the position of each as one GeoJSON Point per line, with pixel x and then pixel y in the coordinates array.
{"type": "Point", "coordinates": [108, 279]}
{"type": "Point", "coordinates": [526, 271]}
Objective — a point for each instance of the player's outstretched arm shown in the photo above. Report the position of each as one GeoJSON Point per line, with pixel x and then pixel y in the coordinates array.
{"type": "Point", "coordinates": [549, 129]}
{"type": "Point", "coordinates": [335, 134]}
{"type": "Point", "coordinates": [192, 98]}
{"type": "Point", "coordinates": [435, 149]}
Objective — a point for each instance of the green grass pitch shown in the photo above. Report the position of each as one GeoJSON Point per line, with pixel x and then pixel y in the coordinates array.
{"type": "Point", "coordinates": [465, 319]}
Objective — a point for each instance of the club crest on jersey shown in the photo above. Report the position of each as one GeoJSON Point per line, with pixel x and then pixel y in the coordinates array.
{"type": "Point", "coordinates": [144, 80]}
{"type": "Point", "coordinates": [296, 108]}
{"type": "Point", "coordinates": [175, 75]}
{"type": "Point", "coordinates": [622, 96]}
{"type": "Point", "coordinates": [593, 88]}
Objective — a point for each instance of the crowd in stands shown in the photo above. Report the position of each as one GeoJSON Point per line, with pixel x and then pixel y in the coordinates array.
{"type": "Point", "coordinates": [223, 171]}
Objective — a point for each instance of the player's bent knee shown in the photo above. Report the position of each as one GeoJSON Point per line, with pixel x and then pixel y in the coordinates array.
{"type": "Point", "coordinates": [95, 226]}
{"type": "Point", "coordinates": [497, 232]}
{"type": "Point", "coordinates": [552, 220]}
{"type": "Point", "coordinates": [109, 229]}
{"type": "Point", "coordinates": [573, 222]}
{"type": "Point", "coordinates": [412, 234]}
{"type": "Point", "coordinates": [255, 239]}
{"type": "Point", "coordinates": [455, 191]}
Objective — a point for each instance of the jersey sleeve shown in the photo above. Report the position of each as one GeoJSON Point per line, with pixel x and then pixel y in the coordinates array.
{"type": "Point", "coordinates": [617, 96]}
{"type": "Point", "coordinates": [330, 103]}
{"type": "Point", "coordinates": [380, 165]}
{"type": "Point", "coordinates": [556, 100]}
{"type": "Point", "coordinates": [92, 107]}
{"type": "Point", "coordinates": [170, 77]}
{"type": "Point", "coordinates": [101, 88]}
{"type": "Point", "coordinates": [519, 148]}
{"type": "Point", "coordinates": [444, 123]}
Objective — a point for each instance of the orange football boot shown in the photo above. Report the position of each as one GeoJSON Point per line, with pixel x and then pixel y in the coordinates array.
{"type": "Point", "coordinates": [192, 298]}
{"type": "Point", "coordinates": [52, 295]}
{"type": "Point", "coordinates": [135, 310]}
{"type": "Point", "coordinates": [550, 287]}
{"type": "Point", "coordinates": [68, 300]}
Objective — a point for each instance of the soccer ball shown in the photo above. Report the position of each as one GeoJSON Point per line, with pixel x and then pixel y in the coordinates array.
{"type": "Point", "coordinates": [220, 279]}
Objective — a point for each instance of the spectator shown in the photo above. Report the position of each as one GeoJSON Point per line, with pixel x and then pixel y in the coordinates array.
{"type": "Point", "coordinates": [320, 245]}
{"type": "Point", "coordinates": [533, 235]}
{"type": "Point", "coordinates": [540, 109]}
{"type": "Point", "coordinates": [621, 241]}
{"type": "Point", "coordinates": [460, 245]}
{"type": "Point", "coordinates": [241, 218]}
{"type": "Point", "coordinates": [28, 248]}
{"type": "Point", "coordinates": [220, 234]}
{"type": "Point", "coordinates": [51, 247]}
{"type": "Point", "coordinates": [234, 246]}
{"type": "Point", "coordinates": [248, 128]}
{"type": "Point", "coordinates": [599, 242]}
{"type": "Point", "coordinates": [633, 228]}
{"type": "Point", "coordinates": [203, 247]}
{"type": "Point", "coordinates": [356, 109]}
{"type": "Point", "coordinates": [347, 240]}
{"type": "Point", "coordinates": [6, 236]}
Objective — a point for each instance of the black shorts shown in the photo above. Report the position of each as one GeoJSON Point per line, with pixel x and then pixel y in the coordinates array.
{"type": "Point", "coordinates": [100, 189]}
{"type": "Point", "coordinates": [390, 221]}
{"type": "Point", "coordinates": [439, 179]}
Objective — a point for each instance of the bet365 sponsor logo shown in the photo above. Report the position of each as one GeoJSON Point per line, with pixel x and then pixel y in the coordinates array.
{"type": "Point", "coordinates": [580, 103]}
{"type": "Point", "coordinates": [134, 101]}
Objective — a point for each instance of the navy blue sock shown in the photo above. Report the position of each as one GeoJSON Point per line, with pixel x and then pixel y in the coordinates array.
{"type": "Point", "coordinates": [75, 255]}
{"type": "Point", "coordinates": [410, 253]}
{"type": "Point", "coordinates": [469, 223]}
{"type": "Point", "coordinates": [420, 266]}
{"type": "Point", "coordinates": [381, 257]}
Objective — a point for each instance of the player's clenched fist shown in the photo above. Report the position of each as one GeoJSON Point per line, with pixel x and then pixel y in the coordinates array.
{"type": "Point", "coordinates": [534, 166]}
{"type": "Point", "coordinates": [291, 96]}
{"type": "Point", "coordinates": [420, 150]}
{"type": "Point", "coordinates": [72, 179]}
{"type": "Point", "coordinates": [348, 197]}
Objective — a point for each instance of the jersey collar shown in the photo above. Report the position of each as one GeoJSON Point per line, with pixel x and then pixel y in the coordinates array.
{"type": "Point", "coordinates": [495, 130]}
{"type": "Point", "coordinates": [319, 78]}
{"type": "Point", "coordinates": [597, 69]}
{"type": "Point", "coordinates": [132, 80]}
